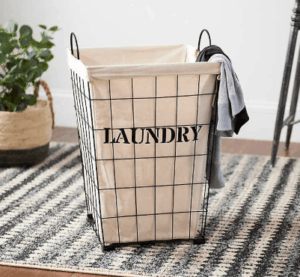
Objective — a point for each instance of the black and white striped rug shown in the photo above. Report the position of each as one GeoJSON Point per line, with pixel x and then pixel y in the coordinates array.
{"type": "Point", "coordinates": [253, 227]}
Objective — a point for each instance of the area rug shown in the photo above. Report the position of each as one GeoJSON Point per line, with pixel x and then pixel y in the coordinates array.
{"type": "Point", "coordinates": [253, 226]}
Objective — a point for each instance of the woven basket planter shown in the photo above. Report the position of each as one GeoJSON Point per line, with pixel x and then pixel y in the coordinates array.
{"type": "Point", "coordinates": [25, 136]}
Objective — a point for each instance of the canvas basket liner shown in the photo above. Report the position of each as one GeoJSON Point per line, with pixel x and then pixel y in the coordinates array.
{"type": "Point", "coordinates": [143, 198]}
{"type": "Point", "coordinates": [27, 129]}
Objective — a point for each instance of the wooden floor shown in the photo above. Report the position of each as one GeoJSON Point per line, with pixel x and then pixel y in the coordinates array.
{"type": "Point", "coordinates": [229, 145]}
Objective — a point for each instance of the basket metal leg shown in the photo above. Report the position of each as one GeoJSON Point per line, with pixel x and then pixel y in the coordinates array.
{"type": "Point", "coordinates": [199, 241]}
{"type": "Point", "coordinates": [90, 217]}
{"type": "Point", "coordinates": [108, 247]}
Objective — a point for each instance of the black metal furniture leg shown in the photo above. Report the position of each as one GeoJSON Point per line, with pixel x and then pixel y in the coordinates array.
{"type": "Point", "coordinates": [293, 107]}
{"type": "Point", "coordinates": [286, 79]}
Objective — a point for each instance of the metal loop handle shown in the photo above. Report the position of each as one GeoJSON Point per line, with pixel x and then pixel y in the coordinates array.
{"type": "Point", "coordinates": [199, 41]}
{"type": "Point", "coordinates": [71, 42]}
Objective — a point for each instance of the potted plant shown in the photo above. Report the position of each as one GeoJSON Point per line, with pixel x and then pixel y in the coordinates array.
{"type": "Point", "coordinates": [26, 122]}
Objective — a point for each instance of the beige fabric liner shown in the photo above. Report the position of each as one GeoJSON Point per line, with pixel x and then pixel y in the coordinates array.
{"type": "Point", "coordinates": [121, 205]}
{"type": "Point", "coordinates": [134, 61]}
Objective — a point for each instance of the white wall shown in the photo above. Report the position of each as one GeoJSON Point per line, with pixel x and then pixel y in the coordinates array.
{"type": "Point", "coordinates": [253, 33]}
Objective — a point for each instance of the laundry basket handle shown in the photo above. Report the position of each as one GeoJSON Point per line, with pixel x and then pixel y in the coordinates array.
{"type": "Point", "coordinates": [199, 41]}
{"type": "Point", "coordinates": [71, 42]}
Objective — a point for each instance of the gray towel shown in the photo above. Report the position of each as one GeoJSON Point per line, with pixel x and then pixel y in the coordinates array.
{"type": "Point", "coordinates": [230, 103]}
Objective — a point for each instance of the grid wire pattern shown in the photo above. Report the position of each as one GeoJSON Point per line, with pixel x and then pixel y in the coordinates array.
{"type": "Point", "coordinates": [86, 135]}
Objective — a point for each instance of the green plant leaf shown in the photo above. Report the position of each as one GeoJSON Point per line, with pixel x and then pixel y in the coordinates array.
{"type": "Point", "coordinates": [45, 54]}
{"type": "Point", "coordinates": [11, 64]}
{"type": "Point", "coordinates": [13, 69]}
{"type": "Point", "coordinates": [35, 73]}
{"type": "Point", "coordinates": [44, 37]}
{"type": "Point", "coordinates": [43, 27]}
{"type": "Point", "coordinates": [26, 64]}
{"type": "Point", "coordinates": [39, 71]}
{"type": "Point", "coordinates": [47, 44]}
{"type": "Point", "coordinates": [14, 43]}
{"type": "Point", "coordinates": [3, 38]}
{"type": "Point", "coordinates": [22, 106]}
{"type": "Point", "coordinates": [21, 64]}
{"type": "Point", "coordinates": [15, 27]}
{"type": "Point", "coordinates": [44, 66]}
{"type": "Point", "coordinates": [34, 43]}
{"type": "Point", "coordinates": [17, 99]}
{"type": "Point", "coordinates": [30, 99]}
{"type": "Point", "coordinates": [6, 48]}
{"type": "Point", "coordinates": [31, 54]}
{"type": "Point", "coordinates": [41, 45]}
{"type": "Point", "coordinates": [25, 30]}
{"type": "Point", "coordinates": [33, 62]}
{"type": "Point", "coordinates": [54, 28]}
{"type": "Point", "coordinates": [2, 58]}
{"type": "Point", "coordinates": [9, 105]}
{"type": "Point", "coordinates": [25, 41]}
{"type": "Point", "coordinates": [25, 36]}
{"type": "Point", "coordinates": [31, 77]}
{"type": "Point", "coordinates": [20, 83]}
{"type": "Point", "coordinates": [49, 58]}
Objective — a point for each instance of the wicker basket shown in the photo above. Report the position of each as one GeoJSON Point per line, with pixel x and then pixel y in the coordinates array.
{"type": "Point", "coordinates": [25, 136]}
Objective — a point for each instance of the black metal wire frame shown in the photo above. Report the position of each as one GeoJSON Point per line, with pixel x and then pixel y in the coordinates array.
{"type": "Point", "coordinates": [86, 137]}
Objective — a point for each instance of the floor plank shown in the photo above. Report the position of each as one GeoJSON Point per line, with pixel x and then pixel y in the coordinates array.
{"type": "Point", "coordinates": [3, 269]}
{"type": "Point", "coordinates": [29, 272]}
{"type": "Point", "coordinates": [9, 271]}
{"type": "Point", "coordinates": [257, 147]}
{"type": "Point", "coordinates": [64, 134]}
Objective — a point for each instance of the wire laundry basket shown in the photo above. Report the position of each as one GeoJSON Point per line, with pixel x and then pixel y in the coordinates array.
{"type": "Point", "coordinates": [146, 125]}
